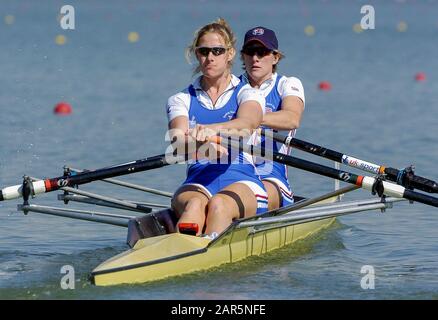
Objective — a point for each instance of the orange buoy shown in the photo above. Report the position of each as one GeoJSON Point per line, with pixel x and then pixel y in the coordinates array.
{"type": "Point", "coordinates": [63, 109]}
{"type": "Point", "coordinates": [325, 86]}
{"type": "Point", "coordinates": [420, 76]}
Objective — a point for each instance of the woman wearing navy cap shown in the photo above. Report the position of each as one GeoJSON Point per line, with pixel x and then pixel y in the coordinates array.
{"type": "Point", "coordinates": [284, 106]}
{"type": "Point", "coordinates": [215, 193]}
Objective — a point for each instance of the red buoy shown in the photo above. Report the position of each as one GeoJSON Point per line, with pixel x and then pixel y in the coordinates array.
{"type": "Point", "coordinates": [325, 86]}
{"type": "Point", "coordinates": [420, 76]}
{"type": "Point", "coordinates": [63, 109]}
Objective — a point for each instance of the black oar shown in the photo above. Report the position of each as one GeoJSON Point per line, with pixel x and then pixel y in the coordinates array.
{"type": "Point", "coordinates": [30, 188]}
{"type": "Point", "coordinates": [375, 185]}
{"type": "Point", "coordinates": [405, 177]}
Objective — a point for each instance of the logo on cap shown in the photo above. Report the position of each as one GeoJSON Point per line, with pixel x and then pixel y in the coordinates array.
{"type": "Point", "coordinates": [258, 31]}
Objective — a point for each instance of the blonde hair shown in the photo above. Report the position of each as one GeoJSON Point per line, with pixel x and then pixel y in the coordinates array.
{"type": "Point", "coordinates": [219, 26]}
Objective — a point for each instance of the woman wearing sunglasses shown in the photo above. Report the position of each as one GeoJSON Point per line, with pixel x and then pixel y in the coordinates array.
{"type": "Point", "coordinates": [225, 186]}
{"type": "Point", "coordinates": [284, 106]}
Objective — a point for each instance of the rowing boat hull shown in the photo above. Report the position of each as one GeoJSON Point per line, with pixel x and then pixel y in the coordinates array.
{"type": "Point", "coordinates": [176, 254]}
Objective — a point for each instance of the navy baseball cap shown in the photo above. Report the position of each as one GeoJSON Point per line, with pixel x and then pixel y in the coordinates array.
{"type": "Point", "coordinates": [263, 35]}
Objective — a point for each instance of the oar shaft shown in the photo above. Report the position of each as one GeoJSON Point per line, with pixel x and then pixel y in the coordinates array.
{"type": "Point", "coordinates": [368, 183]}
{"type": "Point", "coordinates": [129, 185]}
{"type": "Point", "coordinates": [420, 197]}
{"type": "Point", "coordinates": [365, 182]}
{"type": "Point", "coordinates": [53, 184]}
{"type": "Point", "coordinates": [389, 189]}
{"type": "Point", "coordinates": [312, 167]}
{"type": "Point", "coordinates": [392, 174]}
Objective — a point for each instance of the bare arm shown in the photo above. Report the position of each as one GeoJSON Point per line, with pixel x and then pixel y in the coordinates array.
{"type": "Point", "coordinates": [178, 129]}
{"type": "Point", "coordinates": [288, 117]}
{"type": "Point", "coordinates": [181, 123]}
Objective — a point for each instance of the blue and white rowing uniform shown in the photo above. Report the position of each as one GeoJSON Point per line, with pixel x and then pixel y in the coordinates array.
{"type": "Point", "coordinates": [213, 176]}
{"type": "Point", "coordinates": [275, 90]}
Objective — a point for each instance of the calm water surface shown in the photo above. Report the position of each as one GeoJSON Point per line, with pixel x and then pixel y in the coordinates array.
{"type": "Point", "coordinates": [118, 89]}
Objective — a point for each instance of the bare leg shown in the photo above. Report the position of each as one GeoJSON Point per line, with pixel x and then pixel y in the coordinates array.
{"type": "Point", "coordinates": [190, 203]}
{"type": "Point", "coordinates": [233, 202]}
{"type": "Point", "coordinates": [274, 195]}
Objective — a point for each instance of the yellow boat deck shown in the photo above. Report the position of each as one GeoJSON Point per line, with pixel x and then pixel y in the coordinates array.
{"type": "Point", "coordinates": [177, 254]}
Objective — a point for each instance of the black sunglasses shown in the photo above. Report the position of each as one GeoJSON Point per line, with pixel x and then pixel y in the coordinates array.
{"type": "Point", "coordinates": [259, 51]}
{"type": "Point", "coordinates": [205, 51]}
